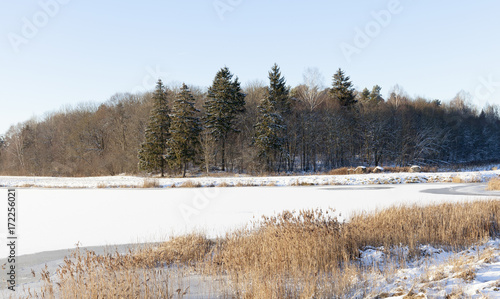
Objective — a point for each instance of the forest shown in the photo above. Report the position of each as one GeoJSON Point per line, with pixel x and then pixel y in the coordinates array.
{"type": "Point", "coordinates": [261, 128]}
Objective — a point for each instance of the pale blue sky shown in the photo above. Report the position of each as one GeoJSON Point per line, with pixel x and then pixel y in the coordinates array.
{"type": "Point", "coordinates": [85, 51]}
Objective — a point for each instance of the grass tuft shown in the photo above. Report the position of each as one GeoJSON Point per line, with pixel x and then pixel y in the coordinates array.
{"type": "Point", "coordinates": [224, 184]}
{"type": "Point", "coordinates": [150, 183]}
{"type": "Point", "coordinates": [467, 275]}
{"type": "Point", "coordinates": [190, 184]}
{"type": "Point", "coordinates": [494, 184]}
{"type": "Point", "coordinates": [301, 183]}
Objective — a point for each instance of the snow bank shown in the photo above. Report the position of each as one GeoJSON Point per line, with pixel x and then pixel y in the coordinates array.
{"type": "Point", "coordinates": [355, 179]}
{"type": "Point", "coordinates": [472, 273]}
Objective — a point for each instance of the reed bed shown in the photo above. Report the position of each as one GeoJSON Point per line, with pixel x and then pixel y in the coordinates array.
{"type": "Point", "coordinates": [494, 184]}
{"type": "Point", "coordinates": [302, 254]}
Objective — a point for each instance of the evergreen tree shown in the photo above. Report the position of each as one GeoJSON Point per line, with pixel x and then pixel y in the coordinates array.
{"type": "Point", "coordinates": [364, 96]}
{"type": "Point", "coordinates": [185, 128]}
{"type": "Point", "coordinates": [225, 101]}
{"type": "Point", "coordinates": [152, 154]}
{"type": "Point", "coordinates": [375, 96]}
{"type": "Point", "coordinates": [278, 92]}
{"type": "Point", "coordinates": [270, 129]}
{"type": "Point", "coordinates": [342, 90]}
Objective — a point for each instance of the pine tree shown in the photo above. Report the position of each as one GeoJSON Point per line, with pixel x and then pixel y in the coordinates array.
{"type": "Point", "coordinates": [375, 96]}
{"type": "Point", "coordinates": [270, 129]}
{"type": "Point", "coordinates": [364, 96]}
{"type": "Point", "coordinates": [225, 101]}
{"type": "Point", "coordinates": [152, 154]}
{"type": "Point", "coordinates": [278, 91]}
{"type": "Point", "coordinates": [342, 90]}
{"type": "Point", "coordinates": [185, 128]}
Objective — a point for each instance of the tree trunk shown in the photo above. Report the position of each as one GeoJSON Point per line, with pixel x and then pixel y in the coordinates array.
{"type": "Point", "coordinates": [223, 154]}
{"type": "Point", "coordinates": [162, 167]}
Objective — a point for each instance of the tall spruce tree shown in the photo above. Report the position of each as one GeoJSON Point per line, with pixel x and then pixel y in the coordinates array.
{"type": "Point", "coordinates": [278, 91]}
{"type": "Point", "coordinates": [185, 128]}
{"type": "Point", "coordinates": [270, 129]}
{"type": "Point", "coordinates": [153, 152]}
{"type": "Point", "coordinates": [375, 96]}
{"type": "Point", "coordinates": [342, 90]}
{"type": "Point", "coordinates": [364, 96]}
{"type": "Point", "coordinates": [225, 101]}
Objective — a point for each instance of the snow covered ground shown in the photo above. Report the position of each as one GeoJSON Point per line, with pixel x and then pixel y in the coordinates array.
{"type": "Point", "coordinates": [472, 273]}
{"type": "Point", "coordinates": [356, 179]}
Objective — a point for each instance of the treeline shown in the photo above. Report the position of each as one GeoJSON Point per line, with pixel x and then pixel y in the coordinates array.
{"type": "Point", "coordinates": [255, 129]}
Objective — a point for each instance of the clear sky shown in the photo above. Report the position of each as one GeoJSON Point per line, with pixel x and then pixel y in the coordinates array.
{"type": "Point", "coordinates": [56, 53]}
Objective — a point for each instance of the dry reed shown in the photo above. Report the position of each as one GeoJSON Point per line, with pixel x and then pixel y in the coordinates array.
{"type": "Point", "coordinates": [189, 184]}
{"type": "Point", "coordinates": [300, 254]}
{"type": "Point", "coordinates": [494, 184]}
{"type": "Point", "coordinates": [297, 182]}
{"type": "Point", "coordinates": [150, 183]}
{"type": "Point", "coordinates": [339, 171]}
{"type": "Point", "coordinates": [223, 184]}
{"type": "Point", "coordinates": [302, 251]}
{"type": "Point", "coordinates": [102, 186]}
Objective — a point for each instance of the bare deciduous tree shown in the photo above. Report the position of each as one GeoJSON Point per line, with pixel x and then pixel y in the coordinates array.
{"type": "Point", "coordinates": [311, 92]}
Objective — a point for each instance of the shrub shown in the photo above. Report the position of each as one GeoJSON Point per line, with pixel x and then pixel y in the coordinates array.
{"type": "Point", "coordinates": [150, 183]}
{"type": "Point", "coordinates": [190, 184]}
{"type": "Point", "coordinates": [339, 171]}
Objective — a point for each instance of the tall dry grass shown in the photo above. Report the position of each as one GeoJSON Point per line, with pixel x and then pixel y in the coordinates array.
{"type": "Point", "coordinates": [189, 184]}
{"type": "Point", "coordinates": [291, 255]}
{"type": "Point", "coordinates": [494, 184]}
{"type": "Point", "coordinates": [87, 275]}
{"type": "Point", "coordinates": [304, 254]}
{"type": "Point", "coordinates": [188, 250]}
{"type": "Point", "coordinates": [150, 183]}
{"type": "Point", "coordinates": [389, 169]}
{"type": "Point", "coordinates": [311, 251]}
{"type": "Point", "coordinates": [339, 171]}
{"type": "Point", "coordinates": [454, 225]}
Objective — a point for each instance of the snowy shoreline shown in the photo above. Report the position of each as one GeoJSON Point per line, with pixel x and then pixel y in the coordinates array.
{"type": "Point", "coordinates": [353, 179]}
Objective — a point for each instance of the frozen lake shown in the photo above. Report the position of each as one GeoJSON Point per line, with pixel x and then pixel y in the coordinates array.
{"type": "Point", "coordinates": [53, 219]}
